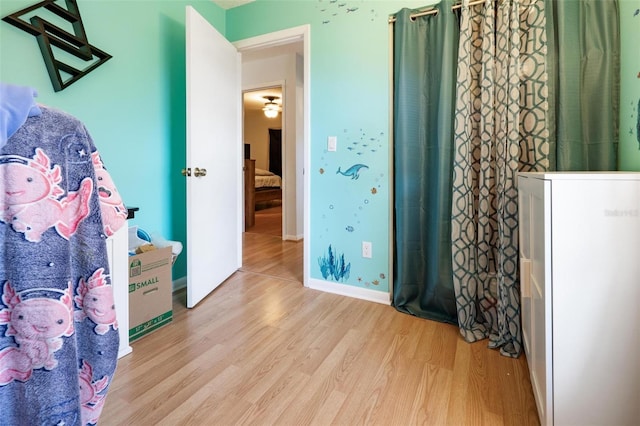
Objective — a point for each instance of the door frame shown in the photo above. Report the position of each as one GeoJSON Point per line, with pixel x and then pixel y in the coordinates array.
{"type": "Point", "coordinates": [277, 38]}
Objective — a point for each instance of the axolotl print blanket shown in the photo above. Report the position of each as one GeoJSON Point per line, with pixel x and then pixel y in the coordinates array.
{"type": "Point", "coordinates": [58, 328]}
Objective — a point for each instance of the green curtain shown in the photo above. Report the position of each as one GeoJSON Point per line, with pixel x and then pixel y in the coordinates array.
{"type": "Point", "coordinates": [425, 54]}
{"type": "Point", "coordinates": [584, 83]}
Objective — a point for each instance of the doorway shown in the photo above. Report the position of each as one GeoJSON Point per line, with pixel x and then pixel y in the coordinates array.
{"type": "Point", "coordinates": [263, 153]}
{"type": "Point", "coordinates": [281, 59]}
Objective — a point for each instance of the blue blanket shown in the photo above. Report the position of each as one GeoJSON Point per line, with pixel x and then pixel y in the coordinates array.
{"type": "Point", "coordinates": [58, 329]}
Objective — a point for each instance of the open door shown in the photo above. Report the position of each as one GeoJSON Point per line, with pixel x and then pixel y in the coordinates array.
{"type": "Point", "coordinates": [214, 171]}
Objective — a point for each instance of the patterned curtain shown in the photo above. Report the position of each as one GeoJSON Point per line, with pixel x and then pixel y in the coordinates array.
{"type": "Point", "coordinates": [500, 129]}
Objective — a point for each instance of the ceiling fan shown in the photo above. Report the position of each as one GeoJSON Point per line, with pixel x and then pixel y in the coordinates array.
{"type": "Point", "coordinates": [271, 108]}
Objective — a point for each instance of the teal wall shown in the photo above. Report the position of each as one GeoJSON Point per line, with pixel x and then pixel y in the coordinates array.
{"type": "Point", "coordinates": [133, 105]}
{"type": "Point", "coordinates": [350, 100]}
{"type": "Point", "coordinates": [629, 148]}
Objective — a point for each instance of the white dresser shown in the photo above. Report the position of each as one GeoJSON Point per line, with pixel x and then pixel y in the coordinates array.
{"type": "Point", "coordinates": [118, 251]}
{"type": "Point", "coordinates": [580, 289]}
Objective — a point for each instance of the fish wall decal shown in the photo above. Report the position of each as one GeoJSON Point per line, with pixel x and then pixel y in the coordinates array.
{"type": "Point", "coordinates": [353, 171]}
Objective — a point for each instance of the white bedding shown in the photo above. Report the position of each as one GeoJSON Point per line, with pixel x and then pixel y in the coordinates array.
{"type": "Point", "coordinates": [263, 172]}
{"type": "Point", "coordinates": [266, 179]}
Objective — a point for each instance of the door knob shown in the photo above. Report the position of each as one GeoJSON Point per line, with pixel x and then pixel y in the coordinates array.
{"type": "Point", "coordinates": [200, 172]}
{"type": "Point", "coordinates": [186, 172]}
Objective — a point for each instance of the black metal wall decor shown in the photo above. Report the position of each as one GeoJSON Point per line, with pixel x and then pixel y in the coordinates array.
{"type": "Point", "coordinates": [49, 34]}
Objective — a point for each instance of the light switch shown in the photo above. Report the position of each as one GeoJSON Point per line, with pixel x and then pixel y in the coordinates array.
{"type": "Point", "coordinates": [332, 143]}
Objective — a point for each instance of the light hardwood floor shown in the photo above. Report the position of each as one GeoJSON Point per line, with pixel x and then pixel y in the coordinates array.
{"type": "Point", "coordinates": [264, 350]}
{"type": "Point", "coordinates": [268, 220]}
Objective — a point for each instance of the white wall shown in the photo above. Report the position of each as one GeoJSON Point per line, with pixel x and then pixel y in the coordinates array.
{"type": "Point", "coordinates": [281, 70]}
{"type": "Point", "coordinates": [299, 144]}
{"type": "Point", "coordinates": [256, 133]}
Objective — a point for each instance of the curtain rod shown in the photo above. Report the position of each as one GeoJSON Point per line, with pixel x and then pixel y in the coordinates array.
{"type": "Point", "coordinates": [433, 11]}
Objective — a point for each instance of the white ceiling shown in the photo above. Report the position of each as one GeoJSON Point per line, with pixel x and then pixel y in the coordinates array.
{"type": "Point", "coordinates": [254, 100]}
{"type": "Point", "coordinates": [228, 4]}
{"type": "Point", "coordinates": [270, 52]}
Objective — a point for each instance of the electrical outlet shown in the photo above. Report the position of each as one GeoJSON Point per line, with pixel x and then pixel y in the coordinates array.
{"type": "Point", "coordinates": [366, 249]}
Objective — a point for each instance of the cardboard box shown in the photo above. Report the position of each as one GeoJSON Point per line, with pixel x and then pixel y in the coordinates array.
{"type": "Point", "coordinates": [150, 299]}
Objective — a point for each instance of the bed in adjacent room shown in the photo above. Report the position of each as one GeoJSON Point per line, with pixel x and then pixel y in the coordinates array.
{"type": "Point", "coordinates": [267, 186]}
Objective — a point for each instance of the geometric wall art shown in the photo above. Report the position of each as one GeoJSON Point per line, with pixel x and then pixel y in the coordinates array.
{"type": "Point", "coordinates": [63, 42]}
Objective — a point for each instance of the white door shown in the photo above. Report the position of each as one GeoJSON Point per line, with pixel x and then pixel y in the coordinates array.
{"type": "Point", "coordinates": [214, 211]}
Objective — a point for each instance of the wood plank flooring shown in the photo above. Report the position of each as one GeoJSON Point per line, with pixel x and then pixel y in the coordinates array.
{"type": "Point", "coordinates": [268, 219]}
{"type": "Point", "coordinates": [264, 350]}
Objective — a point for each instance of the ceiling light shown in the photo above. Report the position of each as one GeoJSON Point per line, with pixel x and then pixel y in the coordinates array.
{"type": "Point", "coordinates": [271, 108]}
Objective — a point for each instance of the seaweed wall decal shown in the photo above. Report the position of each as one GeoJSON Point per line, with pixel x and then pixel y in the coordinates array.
{"type": "Point", "coordinates": [333, 266]}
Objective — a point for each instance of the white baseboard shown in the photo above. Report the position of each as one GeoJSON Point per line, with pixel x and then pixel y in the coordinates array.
{"type": "Point", "coordinates": [351, 291]}
{"type": "Point", "coordinates": [179, 284]}
{"type": "Point", "coordinates": [292, 237]}
{"type": "Point", "coordinates": [124, 351]}
{"type": "Point", "coordinates": [326, 286]}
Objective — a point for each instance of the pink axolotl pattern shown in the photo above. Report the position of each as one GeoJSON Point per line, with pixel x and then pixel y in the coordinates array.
{"type": "Point", "coordinates": [57, 322]}
{"type": "Point", "coordinates": [114, 213]}
{"type": "Point", "coordinates": [30, 198]}
{"type": "Point", "coordinates": [37, 325]}
{"type": "Point", "coordinates": [90, 398]}
{"type": "Point", "coordinates": [95, 300]}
